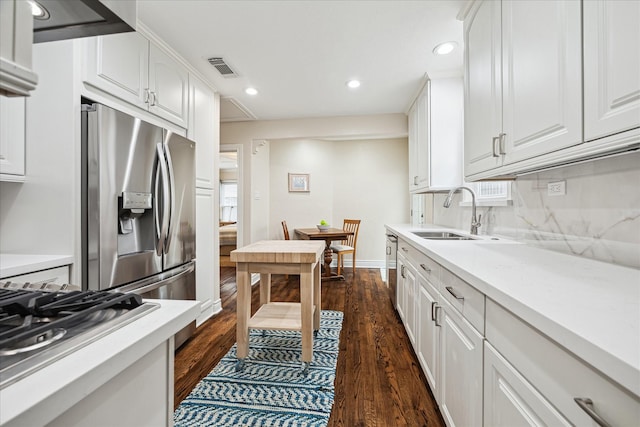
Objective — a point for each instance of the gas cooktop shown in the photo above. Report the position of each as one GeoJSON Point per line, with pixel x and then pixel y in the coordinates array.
{"type": "Point", "coordinates": [42, 323]}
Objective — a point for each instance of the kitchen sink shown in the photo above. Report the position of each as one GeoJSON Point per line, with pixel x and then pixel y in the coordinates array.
{"type": "Point", "coordinates": [442, 235]}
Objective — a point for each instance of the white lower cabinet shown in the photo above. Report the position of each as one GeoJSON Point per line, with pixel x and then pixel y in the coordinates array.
{"type": "Point", "coordinates": [428, 331]}
{"type": "Point", "coordinates": [460, 369]}
{"type": "Point", "coordinates": [487, 367]}
{"type": "Point", "coordinates": [510, 400]}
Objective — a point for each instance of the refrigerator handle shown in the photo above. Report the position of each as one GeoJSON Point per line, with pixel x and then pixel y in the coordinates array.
{"type": "Point", "coordinates": [172, 196]}
{"type": "Point", "coordinates": [162, 224]}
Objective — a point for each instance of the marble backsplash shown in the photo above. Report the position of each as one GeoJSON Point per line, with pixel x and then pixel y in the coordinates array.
{"type": "Point", "coordinates": [598, 218]}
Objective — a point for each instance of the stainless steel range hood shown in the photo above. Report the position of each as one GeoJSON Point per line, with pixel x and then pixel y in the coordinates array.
{"type": "Point", "coordinates": [70, 19]}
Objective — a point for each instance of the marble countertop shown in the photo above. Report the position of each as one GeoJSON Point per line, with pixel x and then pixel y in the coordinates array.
{"type": "Point", "coordinates": [42, 396]}
{"type": "Point", "coordinates": [16, 264]}
{"type": "Point", "coordinates": [589, 307]}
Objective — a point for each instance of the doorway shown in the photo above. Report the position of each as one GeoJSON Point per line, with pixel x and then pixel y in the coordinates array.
{"type": "Point", "coordinates": [230, 201]}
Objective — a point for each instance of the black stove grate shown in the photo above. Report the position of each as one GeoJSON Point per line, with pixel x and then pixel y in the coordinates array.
{"type": "Point", "coordinates": [26, 314]}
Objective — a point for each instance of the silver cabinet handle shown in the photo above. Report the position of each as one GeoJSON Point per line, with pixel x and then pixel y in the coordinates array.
{"type": "Point", "coordinates": [587, 406]}
{"type": "Point", "coordinates": [453, 292]}
{"type": "Point", "coordinates": [494, 142]}
{"type": "Point", "coordinates": [433, 312]}
{"type": "Point", "coordinates": [435, 319]}
{"type": "Point", "coordinates": [502, 147]}
{"type": "Point", "coordinates": [402, 271]}
{"type": "Point", "coordinates": [388, 250]}
{"type": "Point", "coordinates": [425, 268]}
{"type": "Point", "coordinates": [404, 249]}
{"type": "Point", "coordinates": [146, 96]}
{"type": "Point", "coordinates": [415, 180]}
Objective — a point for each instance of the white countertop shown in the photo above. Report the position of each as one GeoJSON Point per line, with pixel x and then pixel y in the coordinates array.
{"type": "Point", "coordinates": [16, 264]}
{"type": "Point", "coordinates": [42, 396]}
{"type": "Point", "coordinates": [589, 307]}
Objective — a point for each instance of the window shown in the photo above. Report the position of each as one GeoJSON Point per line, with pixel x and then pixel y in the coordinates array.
{"type": "Point", "coordinates": [489, 193]}
{"type": "Point", "coordinates": [229, 201]}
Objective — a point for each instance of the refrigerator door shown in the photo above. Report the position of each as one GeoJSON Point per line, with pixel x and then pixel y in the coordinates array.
{"type": "Point", "coordinates": [180, 245]}
{"type": "Point", "coordinates": [120, 219]}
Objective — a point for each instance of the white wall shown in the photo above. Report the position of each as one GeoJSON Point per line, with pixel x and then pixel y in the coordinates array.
{"type": "Point", "coordinates": [358, 179]}
{"type": "Point", "coordinates": [255, 137]}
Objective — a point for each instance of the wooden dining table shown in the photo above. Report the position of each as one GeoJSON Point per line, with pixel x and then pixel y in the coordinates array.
{"type": "Point", "coordinates": [328, 236]}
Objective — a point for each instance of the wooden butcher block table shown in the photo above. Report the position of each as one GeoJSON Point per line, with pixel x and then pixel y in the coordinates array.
{"type": "Point", "coordinates": [279, 257]}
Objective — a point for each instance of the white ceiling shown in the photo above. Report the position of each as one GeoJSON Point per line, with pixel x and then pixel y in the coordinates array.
{"type": "Point", "coordinates": [299, 54]}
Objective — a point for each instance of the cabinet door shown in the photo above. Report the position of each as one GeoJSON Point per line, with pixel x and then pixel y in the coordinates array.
{"type": "Point", "coordinates": [428, 333]}
{"type": "Point", "coordinates": [510, 400]}
{"type": "Point", "coordinates": [168, 87]}
{"type": "Point", "coordinates": [460, 370]}
{"type": "Point", "coordinates": [12, 139]}
{"type": "Point", "coordinates": [401, 297]}
{"type": "Point", "coordinates": [118, 64]}
{"type": "Point", "coordinates": [611, 67]}
{"type": "Point", "coordinates": [207, 260]}
{"type": "Point", "coordinates": [483, 87]}
{"type": "Point", "coordinates": [422, 141]}
{"type": "Point", "coordinates": [541, 77]}
{"type": "Point", "coordinates": [204, 121]}
{"type": "Point", "coordinates": [410, 307]}
{"type": "Point", "coordinates": [412, 122]}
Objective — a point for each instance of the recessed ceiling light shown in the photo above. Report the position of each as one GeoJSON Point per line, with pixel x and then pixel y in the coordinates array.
{"type": "Point", "coordinates": [444, 48]}
{"type": "Point", "coordinates": [38, 11]}
{"type": "Point", "coordinates": [353, 84]}
{"type": "Point", "coordinates": [251, 91]}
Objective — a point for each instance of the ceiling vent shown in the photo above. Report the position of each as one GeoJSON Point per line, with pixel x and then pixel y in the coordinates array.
{"type": "Point", "coordinates": [223, 68]}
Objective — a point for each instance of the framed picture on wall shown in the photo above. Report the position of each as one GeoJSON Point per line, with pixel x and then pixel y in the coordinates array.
{"type": "Point", "coordinates": [299, 182]}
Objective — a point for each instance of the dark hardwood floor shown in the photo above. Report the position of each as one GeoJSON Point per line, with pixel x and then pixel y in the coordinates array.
{"type": "Point", "coordinates": [378, 377]}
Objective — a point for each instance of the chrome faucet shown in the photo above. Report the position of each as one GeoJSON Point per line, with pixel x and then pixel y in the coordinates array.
{"type": "Point", "coordinates": [475, 222]}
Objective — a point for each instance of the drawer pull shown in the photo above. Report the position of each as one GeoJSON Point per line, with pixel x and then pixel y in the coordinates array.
{"type": "Point", "coordinates": [587, 406]}
{"type": "Point", "coordinates": [436, 316]}
{"type": "Point", "coordinates": [455, 295]}
{"type": "Point", "coordinates": [433, 313]}
{"type": "Point", "coordinates": [494, 142]}
{"type": "Point", "coordinates": [404, 249]}
{"type": "Point", "coordinates": [425, 268]}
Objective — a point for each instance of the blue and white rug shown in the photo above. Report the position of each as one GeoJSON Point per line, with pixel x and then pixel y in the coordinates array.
{"type": "Point", "coordinates": [271, 389]}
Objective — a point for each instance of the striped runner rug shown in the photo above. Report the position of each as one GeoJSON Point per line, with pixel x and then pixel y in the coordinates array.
{"type": "Point", "coordinates": [271, 389]}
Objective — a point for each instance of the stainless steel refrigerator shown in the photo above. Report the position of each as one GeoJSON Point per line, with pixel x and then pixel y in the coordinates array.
{"type": "Point", "coordinates": [138, 207]}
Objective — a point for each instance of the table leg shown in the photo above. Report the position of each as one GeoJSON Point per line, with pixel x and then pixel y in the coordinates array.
{"type": "Point", "coordinates": [317, 296]}
{"type": "Point", "coordinates": [243, 309]}
{"type": "Point", "coordinates": [328, 257]}
{"type": "Point", "coordinates": [265, 288]}
{"type": "Point", "coordinates": [306, 311]}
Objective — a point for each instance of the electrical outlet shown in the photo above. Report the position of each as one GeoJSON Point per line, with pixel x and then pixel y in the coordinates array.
{"type": "Point", "coordinates": [558, 188]}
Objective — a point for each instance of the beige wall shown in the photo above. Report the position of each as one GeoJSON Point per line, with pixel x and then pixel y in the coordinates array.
{"type": "Point", "coordinates": [255, 137]}
{"type": "Point", "coordinates": [359, 179]}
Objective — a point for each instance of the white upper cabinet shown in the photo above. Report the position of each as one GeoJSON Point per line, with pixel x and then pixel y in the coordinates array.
{"type": "Point", "coordinates": [483, 87]}
{"type": "Point", "coordinates": [435, 136]}
{"type": "Point", "coordinates": [611, 67]}
{"type": "Point", "coordinates": [541, 77]}
{"type": "Point", "coordinates": [204, 129]}
{"type": "Point", "coordinates": [12, 139]}
{"type": "Point", "coordinates": [16, 37]}
{"type": "Point", "coordinates": [131, 68]}
{"type": "Point", "coordinates": [523, 87]}
{"type": "Point", "coordinates": [168, 87]}
{"type": "Point", "coordinates": [119, 65]}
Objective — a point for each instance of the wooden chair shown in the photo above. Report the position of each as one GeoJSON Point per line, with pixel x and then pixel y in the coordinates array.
{"type": "Point", "coordinates": [285, 230]}
{"type": "Point", "coordinates": [347, 246]}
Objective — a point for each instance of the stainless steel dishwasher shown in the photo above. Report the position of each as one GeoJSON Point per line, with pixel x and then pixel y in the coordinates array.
{"type": "Point", "coordinates": [391, 263]}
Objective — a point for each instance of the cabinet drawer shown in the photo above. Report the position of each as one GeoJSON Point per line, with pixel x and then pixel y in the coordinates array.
{"type": "Point", "coordinates": [464, 298]}
{"type": "Point", "coordinates": [58, 275]}
{"type": "Point", "coordinates": [424, 265]}
{"type": "Point", "coordinates": [557, 374]}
